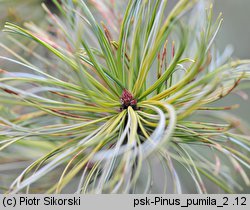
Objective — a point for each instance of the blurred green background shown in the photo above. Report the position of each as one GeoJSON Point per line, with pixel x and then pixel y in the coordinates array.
{"type": "Point", "coordinates": [235, 31]}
